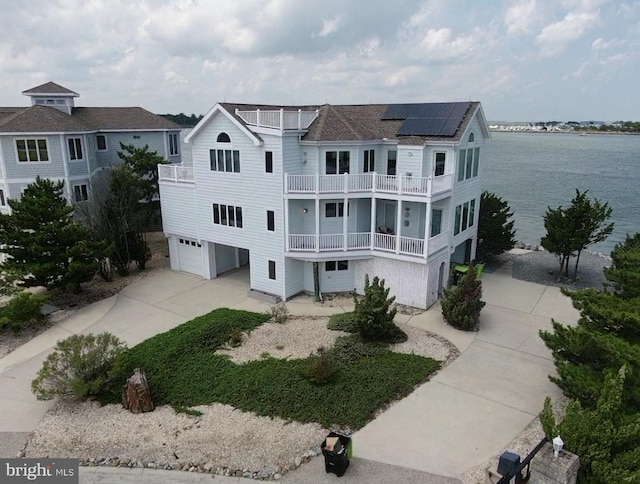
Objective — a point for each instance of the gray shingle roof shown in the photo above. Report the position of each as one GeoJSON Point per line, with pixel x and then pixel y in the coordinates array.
{"type": "Point", "coordinates": [45, 119]}
{"type": "Point", "coordinates": [50, 88]}
{"type": "Point", "coordinates": [355, 123]}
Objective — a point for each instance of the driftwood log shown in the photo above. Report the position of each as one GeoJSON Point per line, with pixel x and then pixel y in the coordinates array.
{"type": "Point", "coordinates": [136, 396]}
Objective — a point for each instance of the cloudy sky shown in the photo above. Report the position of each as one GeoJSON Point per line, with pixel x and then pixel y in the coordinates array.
{"type": "Point", "coordinates": [523, 59]}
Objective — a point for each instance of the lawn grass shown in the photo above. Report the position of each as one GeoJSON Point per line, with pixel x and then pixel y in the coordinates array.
{"type": "Point", "coordinates": [183, 371]}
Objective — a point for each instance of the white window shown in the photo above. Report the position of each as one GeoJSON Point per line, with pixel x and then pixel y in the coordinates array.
{"type": "Point", "coordinates": [173, 144]}
{"type": "Point", "coordinates": [272, 270]}
{"type": "Point", "coordinates": [440, 161]}
{"type": "Point", "coordinates": [32, 150]}
{"type": "Point", "coordinates": [75, 148]}
{"type": "Point", "coordinates": [468, 161]}
{"type": "Point", "coordinates": [337, 162]}
{"type": "Point", "coordinates": [227, 215]}
{"type": "Point", "coordinates": [333, 209]}
{"type": "Point", "coordinates": [80, 193]}
{"type": "Point", "coordinates": [3, 201]}
{"type": "Point", "coordinates": [369, 161]}
{"type": "Point", "coordinates": [339, 265]}
{"type": "Point", "coordinates": [464, 216]}
{"type": "Point", "coordinates": [392, 157]}
{"type": "Point", "coordinates": [224, 160]}
{"type": "Point", "coordinates": [101, 142]}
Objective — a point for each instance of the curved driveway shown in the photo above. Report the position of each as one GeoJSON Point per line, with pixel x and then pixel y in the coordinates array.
{"type": "Point", "coordinates": [467, 413]}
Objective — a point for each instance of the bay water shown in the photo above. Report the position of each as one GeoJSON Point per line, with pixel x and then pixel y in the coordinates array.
{"type": "Point", "coordinates": [533, 171]}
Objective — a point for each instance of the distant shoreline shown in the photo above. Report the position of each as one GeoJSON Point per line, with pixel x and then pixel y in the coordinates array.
{"type": "Point", "coordinates": [578, 133]}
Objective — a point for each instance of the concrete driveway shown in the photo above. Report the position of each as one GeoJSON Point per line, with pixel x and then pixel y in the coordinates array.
{"type": "Point", "coordinates": [467, 413]}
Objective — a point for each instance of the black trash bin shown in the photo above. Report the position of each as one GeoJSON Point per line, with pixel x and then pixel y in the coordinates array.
{"type": "Point", "coordinates": [336, 460]}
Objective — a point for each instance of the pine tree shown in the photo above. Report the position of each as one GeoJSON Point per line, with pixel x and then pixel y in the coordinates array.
{"type": "Point", "coordinates": [606, 439]}
{"type": "Point", "coordinates": [624, 273]}
{"type": "Point", "coordinates": [46, 246]}
{"type": "Point", "coordinates": [461, 304]}
{"type": "Point", "coordinates": [144, 164]}
{"type": "Point", "coordinates": [495, 231]}
{"type": "Point", "coordinates": [373, 314]}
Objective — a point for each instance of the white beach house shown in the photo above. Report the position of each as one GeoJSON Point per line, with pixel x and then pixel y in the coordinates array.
{"type": "Point", "coordinates": [309, 196]}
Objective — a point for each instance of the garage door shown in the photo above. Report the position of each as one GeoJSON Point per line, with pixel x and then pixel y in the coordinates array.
{"type": "Point", "coordinates": [190, 256]}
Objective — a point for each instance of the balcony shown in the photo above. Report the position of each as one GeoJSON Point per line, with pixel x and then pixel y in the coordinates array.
{"type": "Point", "coordinates": [278, 119]}
{"type": "Point", "coordinates": [364, 241]}
{"type": "Point", "coordinates": [369, 183]}
{"type": "Point", "coordinates": [175, 173]}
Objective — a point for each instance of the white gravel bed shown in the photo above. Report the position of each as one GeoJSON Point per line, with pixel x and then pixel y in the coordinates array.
{"type": "Point", "coordinates": [222, 435]}
{"type": "Point", "coordinates": [297, 338]}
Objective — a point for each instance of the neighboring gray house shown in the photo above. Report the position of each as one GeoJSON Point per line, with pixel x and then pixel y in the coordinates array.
{"type": "Point", "coordinates": [54, 139]}
{"type": "Point", "coordinates": [386, 190]}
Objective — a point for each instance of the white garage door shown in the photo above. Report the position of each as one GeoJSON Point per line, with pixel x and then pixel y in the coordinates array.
{"type": "Point", "coordinates": [190, 256]}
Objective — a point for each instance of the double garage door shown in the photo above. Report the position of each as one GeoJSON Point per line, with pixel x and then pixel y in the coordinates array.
{"type": "Point", "coordinates": [190, 256]}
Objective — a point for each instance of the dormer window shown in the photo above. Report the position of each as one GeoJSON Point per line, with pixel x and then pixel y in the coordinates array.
{"type": "Point", "coordinates": [223, 138]}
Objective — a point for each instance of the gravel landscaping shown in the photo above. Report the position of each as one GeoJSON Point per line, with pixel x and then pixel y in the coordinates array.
{"type": "Point", "coordinates": [222, 440]}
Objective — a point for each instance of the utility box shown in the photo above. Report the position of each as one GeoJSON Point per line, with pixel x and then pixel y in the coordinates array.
{"type": "Point", "coordinates": [508, 463]}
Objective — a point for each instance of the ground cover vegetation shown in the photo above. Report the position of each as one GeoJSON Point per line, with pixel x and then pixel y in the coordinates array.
{"type": "Point", "coordinates": [495, 227]}
{"type": "Point", "coordinates": [589, 357]}
{"type": "Point", "coordinates": [571, 230]}
{"type": "Point", "coordinates": [184, 370]}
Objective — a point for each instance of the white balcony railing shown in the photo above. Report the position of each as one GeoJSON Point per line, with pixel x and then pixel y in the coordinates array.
{"type": "Point", "coordinates": [278, 119]}
{"type": "Point", "coordinates": [175, 173]}
{"type": "Point", "coordinates": [365, 241]}
{"type": "Point", "coordinates": [368, 182]}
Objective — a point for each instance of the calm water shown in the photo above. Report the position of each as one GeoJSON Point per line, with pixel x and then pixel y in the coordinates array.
{"type": "Point", "coordinates": [532, 171]}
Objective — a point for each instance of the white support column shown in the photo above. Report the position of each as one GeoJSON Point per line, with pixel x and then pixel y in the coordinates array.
{"type": "Point", "coordinates": [317, 182]}
{"type": "Point", "coordinates": [345, 226]}
{"type": "Point", "coordinates": [345, 181]}
{"type": "Point", "coordinates": [317, 212]}
{"type": "Point", "coordinates": [398, 226]}
{"type": "Point", "coordinates": [286, 224]}
{"type": "Point", "coordinates": [373, 221]}
{"type": "Point", "coordinates": [257, 117]}
{"type": "Point", "coordinates": [281, 119]}
{"type": "Point", "coordinates": [427, 230]}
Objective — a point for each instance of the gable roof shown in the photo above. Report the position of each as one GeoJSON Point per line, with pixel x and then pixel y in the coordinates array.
{"type": "Point", "coordinates": [121, 118]}
{"type": "Point", "coordinates": [364, 122]}
{"type": "Point", "coordinates": [39, 119]}
{"type": "Point", "coordinates": [50, 89]}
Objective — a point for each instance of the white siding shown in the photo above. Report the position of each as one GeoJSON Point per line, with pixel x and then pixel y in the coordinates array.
{"type": "Point", "coordinates": [295, 270]}
{"type": "Point", "coordinates": [406, 280]}
{"type": "Point", "coordinates": [337, 281]}
{"type": "Point", "coordinates": [247, 190]}
{"type": "Point", "coordinates": [53, 168]}
{"type": "Point", "coordinates": [433, 270]}
{"type": "Point", "coordinates": [409, 160]}
{"type": "Point", "coordinates": [179, 209]}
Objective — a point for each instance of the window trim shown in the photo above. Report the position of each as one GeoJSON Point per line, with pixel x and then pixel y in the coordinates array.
{"type": "Point", "coordinates": [339, 210]}
{"type": "Point", "coordinates": [435, 163]}
{"type": "Point", "coordinates": [336, 265]}
{"type": "Point", "coordinates": [268, 161]}
{"type": "Point", "coordinates": [395, 162]}
{"type": "Point", "coordinates": [37, 150]}
{"type": "Point", "coordinates": [106, 146]}
{"type": "Point", "coordinates": [80, 192]}
{"type": "Point", "coordinates": [224, 160]}
{"type": "Point", "coordinates": [272, 272]}
{"type": "Point", "coordinates": [227, 215]}
{"type": "Point", "coordinates": [174, 144]}
{"type": "Point", "coordinates": [342, 160]}
{"type": "Point", "coordinates": [75, 142]}
{"type": "Point", "coordinates": [369, 161]}
{"type": "Point", "coordinates": [271, 220]}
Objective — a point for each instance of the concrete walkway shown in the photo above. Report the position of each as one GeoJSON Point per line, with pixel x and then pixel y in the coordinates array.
{"type": "Point", "coordinates": [468, 412]}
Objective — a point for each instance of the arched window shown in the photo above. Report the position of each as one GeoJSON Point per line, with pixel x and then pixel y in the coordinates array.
{"type": "Point", "coordinates": [223, 138]}
{"type": "Point", "coordinates": [471, 138]}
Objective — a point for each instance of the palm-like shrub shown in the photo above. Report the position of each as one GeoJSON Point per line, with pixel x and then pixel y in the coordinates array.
{"type": "Point", "coordinates": [461, 304]}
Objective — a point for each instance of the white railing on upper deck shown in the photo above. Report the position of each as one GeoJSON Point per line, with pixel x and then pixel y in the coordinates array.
{"type": "Point", "coordinates": [359, 240]}
{"type": "Point", "coordinates": [412, 246]}
{"type": "Point", "coordinates": [384, 242]}
{"type": "Point", "coordinates": [278, 119]}
{"type": "Point", "coordinates": [175, 173]}
{"type": "Point", "coordinates": [368, 182]}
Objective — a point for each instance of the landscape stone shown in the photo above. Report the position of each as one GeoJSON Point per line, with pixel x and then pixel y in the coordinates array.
{"type": "Point", "coordinates": [136, 395]}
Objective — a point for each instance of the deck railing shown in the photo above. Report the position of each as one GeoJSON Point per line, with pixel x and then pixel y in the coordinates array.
{"type": "Point", "coordinates": [368, 182]}
{"type": "Point", "coordinates": [175, 173]}
{"type": "Point", "coordinates": [278, 119]}
{"type": "Point", "coordinates": [360, 241]}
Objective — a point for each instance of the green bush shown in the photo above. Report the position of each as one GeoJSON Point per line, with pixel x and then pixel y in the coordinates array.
{"type": "Point", "coordinates": [350, 349]}
{"type": "Point", "coordinates": [279, 313]}
{"type": "Point", "coordinates": [461, 304]}
{"type": "Point", "coordinates": [374, 316]}
{"type": "Point", "coordinates": [23, 308]}
{"type": "Point", "coordinates": [343, 322]}
{"type": "Point", "coordinates": [78, 366]}
{"type": "Point", "coordinates": [320, 368]}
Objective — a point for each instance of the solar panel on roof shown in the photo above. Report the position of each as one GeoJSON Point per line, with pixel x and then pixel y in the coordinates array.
{"type": "Point", "coordinates": [450, 127]}
{"type": "Point", "coordinates": [434, 126]}
{"type": "Point", "coordinates": [444, 110]}
{"type": "Point", "coordinates": [413, 127]}
{"type": "Point", "coordinates": [460, 109]}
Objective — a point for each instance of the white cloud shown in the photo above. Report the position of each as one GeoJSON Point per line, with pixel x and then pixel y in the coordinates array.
{"type": "Point", "coordinates": [329, 26]}
{"type": "Point", "coordinates": [522, 18]}
{"type": "Point", "coordinates": [556, 37]}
